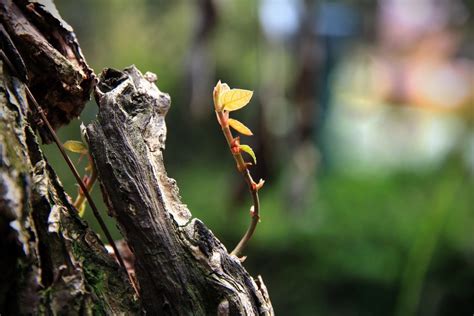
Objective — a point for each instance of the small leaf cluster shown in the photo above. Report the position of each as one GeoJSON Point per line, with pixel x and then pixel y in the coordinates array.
{"type": "Point", "coordinates": [227, 100]}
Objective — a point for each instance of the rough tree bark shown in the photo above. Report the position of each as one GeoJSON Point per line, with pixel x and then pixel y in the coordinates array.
{"type": "Point", "coordinates": [181, 267]}
{"type": "Point", "coordinates": [51, 262]}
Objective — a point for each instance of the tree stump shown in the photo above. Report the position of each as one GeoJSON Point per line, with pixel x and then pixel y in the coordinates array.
{"type": "Point", "coordinates": [181, 267]}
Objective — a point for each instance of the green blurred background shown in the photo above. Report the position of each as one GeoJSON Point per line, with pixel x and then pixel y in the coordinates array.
{"type": "Point", "coordinates": [363, 120]}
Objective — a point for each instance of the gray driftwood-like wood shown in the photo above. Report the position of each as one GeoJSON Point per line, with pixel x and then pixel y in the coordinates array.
{"type": "Point", "coordinates": [181, 267]}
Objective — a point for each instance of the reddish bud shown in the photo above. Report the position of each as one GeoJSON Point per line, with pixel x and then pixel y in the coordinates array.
{"type": "Point", "coordinates": [215, 94]}
{"type": "Point", "coordinates": [235, 145]}
{"type": "Point", "coordinates": [257, 186]}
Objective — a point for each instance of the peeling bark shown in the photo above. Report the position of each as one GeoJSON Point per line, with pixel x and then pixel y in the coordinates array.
{"type": "Point", "coordinates": [181, 267]}
{"type": "Point", "coordinates": [58, 75]}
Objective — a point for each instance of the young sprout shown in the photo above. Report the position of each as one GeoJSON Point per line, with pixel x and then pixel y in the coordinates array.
{"type": "Point", "coordinates": [227, 100]}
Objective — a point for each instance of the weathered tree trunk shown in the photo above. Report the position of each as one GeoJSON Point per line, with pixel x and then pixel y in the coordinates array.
{"type": "Point", "coordinates": [51, 262]}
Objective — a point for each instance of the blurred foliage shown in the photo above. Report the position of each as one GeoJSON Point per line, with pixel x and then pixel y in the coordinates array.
{"type": "Point", "coordinates": [398, 242]}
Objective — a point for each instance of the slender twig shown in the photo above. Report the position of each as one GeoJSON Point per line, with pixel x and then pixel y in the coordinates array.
{"type": "Point", "coordinates": [81, 197]}
{"type": "Point", "coordinates": [74, 172]}
{"type": "Point", "coordinates": [243, 169]}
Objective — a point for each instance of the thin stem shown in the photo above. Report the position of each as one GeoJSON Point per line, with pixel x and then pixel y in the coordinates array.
{"type": "Point", "coordinates": [242, 167]}
{"type": "Point", "coordinates": [253, 225]}
{"type": "Point", "coordinates": [81, 197]}
{"type": "Point", "coordinates": [74, 172]}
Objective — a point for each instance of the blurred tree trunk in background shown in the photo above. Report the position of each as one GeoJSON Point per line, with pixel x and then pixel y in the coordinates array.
{"type": "Point", "coordinates": [200, 69]}
{"type": "Point", "coordinates": [304, 154]}
{"type": "Point", "coordinates": [51, 262]}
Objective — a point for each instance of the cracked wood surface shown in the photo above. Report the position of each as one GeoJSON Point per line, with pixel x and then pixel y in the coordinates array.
{"type": "Point", "coordinates": [51, 262]}
{"type": "Point", "coordinates": [182, 269]}
{"type": "Point", "coordinates": [58, 75]}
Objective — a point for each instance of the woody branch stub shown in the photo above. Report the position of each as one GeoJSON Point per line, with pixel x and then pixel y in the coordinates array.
{"type": "Point", "coordinates": [181, 266]}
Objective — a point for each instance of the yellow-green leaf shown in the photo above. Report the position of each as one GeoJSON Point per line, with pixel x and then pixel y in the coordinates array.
{"type": "Point", "coordinates": [82, 209]}
{"type": "Point", "coordinates": [235, 99]}
{"type": "Point", "coordinates": [219, 89]}
{"type": "Point", "coordinates": [223, 88]}
{"type": "Point", "coordinates": [249, 151]}
{"type": "Point", "coordinates": [240, 127]}
{"type": "Point", "coordinates": [75, 147]}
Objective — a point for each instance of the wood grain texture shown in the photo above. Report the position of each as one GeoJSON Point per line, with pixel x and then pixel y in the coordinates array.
{"type": "Point", "coordinates": [51, 262]}
{"type": "Point", "coordinates": [181, 267]}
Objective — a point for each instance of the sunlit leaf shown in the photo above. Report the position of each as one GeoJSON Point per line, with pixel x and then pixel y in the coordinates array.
{"type": "Point", "coordinates": [249, 151]}
{"type": "Point", "coordinates": [219, 89]}
{"type": "Point", "coordinates": [75, 147]}
{"type": "Point", "coordinates": [82, 209]}
{"type": "Point", "coordinates": [235, 99]}
{"type": "Point", "coordinates": [240, 127]}
{"type": "Point", "coordinates": [224, 88]}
